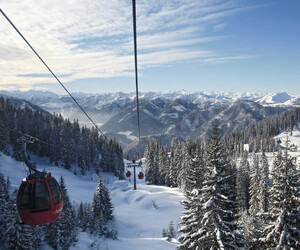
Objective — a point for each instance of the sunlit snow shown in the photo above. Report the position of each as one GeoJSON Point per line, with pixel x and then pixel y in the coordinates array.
{"type": "Point", "coordinates": [128, 134]}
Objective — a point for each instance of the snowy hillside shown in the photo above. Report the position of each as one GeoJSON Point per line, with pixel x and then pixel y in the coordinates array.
{"type": "Point", "coordinates": [294, 139]}
{"type": "Point", "coordinates": [140, 215]}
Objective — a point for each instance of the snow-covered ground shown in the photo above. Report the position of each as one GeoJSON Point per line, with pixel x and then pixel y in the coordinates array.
{"type": "Point", "coordinates": [140, 215]}
{"type": "Point", "coordinates": [294, 137]}
{"type": "Point", "coordinates": [294, 143]}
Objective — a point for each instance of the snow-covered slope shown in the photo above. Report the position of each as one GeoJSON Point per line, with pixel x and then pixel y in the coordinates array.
{"type": "Point", "coordinates": [140, 215]}
{"type": "Point", "coordinates": [294, 140]}
{"type": "Point", "coordinates": [294, 145]}
{"type": "Point", "coordinates": [276, 98]}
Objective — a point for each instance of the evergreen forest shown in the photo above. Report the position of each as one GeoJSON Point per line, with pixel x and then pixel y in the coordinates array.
{"type": "Point", "coordinates": [64, 142]}
{"type": "Point", "coordinates": [235, 200]}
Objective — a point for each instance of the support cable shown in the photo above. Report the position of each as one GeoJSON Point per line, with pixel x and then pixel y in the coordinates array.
{"type": "Point", "coordinates": [29, 137]}
{"type": "Point", "coordinates": [136, 77]}
{"type": "Point", "coordinates": [52, 73]}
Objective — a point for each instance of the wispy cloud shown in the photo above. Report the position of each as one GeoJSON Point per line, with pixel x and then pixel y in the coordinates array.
{"type": "Point", "coordinates": [93, 39]}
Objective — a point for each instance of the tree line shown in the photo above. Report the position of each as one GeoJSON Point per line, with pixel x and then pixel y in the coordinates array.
{"type": "Point", "coordinates": [260, 136]}
{"type": "Point", "coordinates": [64, 142]}
{"type": "Point", "coordinates": [168, 165]}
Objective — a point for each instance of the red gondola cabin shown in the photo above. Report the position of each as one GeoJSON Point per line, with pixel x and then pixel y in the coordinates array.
{"type": "Point", "coordinates": [141, 175]}
{"type": "Point", "coordinates": [39, 199]}
{"type": "Point", "coordinates": [128, 174]}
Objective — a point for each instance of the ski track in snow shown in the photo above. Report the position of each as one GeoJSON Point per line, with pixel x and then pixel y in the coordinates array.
{"type": "Point", "coordinates": [140, 215]}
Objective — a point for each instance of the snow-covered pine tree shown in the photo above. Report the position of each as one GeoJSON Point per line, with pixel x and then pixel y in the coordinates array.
{"type": "Point", "coordinates": [3, 205]}
{"type": "Point", "coordinates": [87, 216]}
{"type": "Point", "coordinates": [243, 183]}
{"type": "Point", "coordinates": [118, 161]}
{"type": "Point", "coordinates": [54, 139]}
{"type": "Point", "coordinates": [171, 177]}
{"type": "Point", "coordinates": [152, 155]}
{"type": "Point", "coordinates": [150, 164]}
{"type": "Point", "coordinates": [82, 155]}
{"type": "Point", "coordinates": [195, 173]}
{"type": "Point", "coordinates": [107, 205]}
{"type": "Point", "coordinates": [163, 163]}
{"type": "Point", "coordinates": [83, 215]}
{"type": "Point", "coordinates": [102, 209]}
{"type": "Point", "coordinates": [67, 231]}
{"type": "Point", "coordinates": [171, 233]}
{"type": "Point", "coordinates": [190, 222]}
{"type": "Point", "coordinates": [4, 131]}
{"type": "Point", "coordinates": [51, 234]}
{"type": "Point", "coordinates": [155, 177]}
{"type": "Point", "coordinates": [37, 237]}
{"type": "Point", "coordinates": [263, 183]}
{"type": "Point", "coordinates": [254, 222]}
{"type": "Point", "coordinates": [254, 186]}
{"type": "Point", "coordinates": [17, 236]}
{"type": "Point", "coordinates": [80, 215]}
{"type": "Point", "coordinates": [249, 225]}
{"type": "Point", "coordinates": [67, 144]}
{"type": "Point", "coordinates": [183, 167]}
{"type": "Point", "coordinates": [62, 233]}
{"type": "Point", "coordinates": [217, 225]}
{"type": "Point", "coordinates": [283, 231]}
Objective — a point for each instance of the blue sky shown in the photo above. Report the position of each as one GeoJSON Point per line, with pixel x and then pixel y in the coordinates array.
{"type": "Point", "coordinates": [204, 45]}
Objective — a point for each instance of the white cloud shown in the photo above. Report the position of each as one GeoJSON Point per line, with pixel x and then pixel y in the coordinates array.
{"type": "Point", "coordinates": [81, 39]}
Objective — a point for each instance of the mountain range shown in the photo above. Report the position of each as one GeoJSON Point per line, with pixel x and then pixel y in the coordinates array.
{"type": "Point", "coordinates": [163, 115]}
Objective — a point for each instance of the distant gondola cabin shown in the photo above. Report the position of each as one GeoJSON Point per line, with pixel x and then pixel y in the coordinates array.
{"type": "Point", "coordinates": [141, 175]}
{"type": "Point", "coordinates": [128, 174]}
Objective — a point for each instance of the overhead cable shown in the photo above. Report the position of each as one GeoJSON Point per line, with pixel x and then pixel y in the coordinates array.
{"type": "Point", "coordinates": [52, 73]}
{"type": "Point", "coordinates": [136, 77]}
